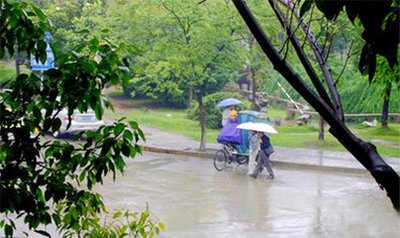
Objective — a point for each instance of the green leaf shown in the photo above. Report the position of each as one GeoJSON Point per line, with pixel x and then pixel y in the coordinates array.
{"type": "Point", "coordinates": [55, 126]}
{"type": "Point", "coordinates": [138, 149]}
{"type": "Point", "coordinates": [117, 215]}
{"type": "Point", "coordinates": [161, 225]}
{"type": "Point", "coordinates": [39, 13]}
{"type": "Point", "coordinates": [126, 150]}
{"type": "Point", "coordinates": [89, 67]}
{"type": "Point", "coordinates": [39, 195]}
{"type": "Point", "coordinates": [128, 135]}
{"type": "Point", "coordinates": [141, 134]}
{"type": "Point", "coordinates": [83, 31]}
{"type": "Point", "coordinates": [41, 46]}
{"type": "Point", "coordinates": [8, 230]}
{"type": "Point", "coordinates": [37, 113]}
{"type": "Point", "coordinates": [43, 233]}
{"type": "Point", "coordinates": [133, 152]}
{"type": "Point", "coordinates": [107, 144]}
{"type": "Point", "coordinates": [82, 176]}
{"type": "Point", "coordinates": [47, 124]}
{"type": "Point", "coordinates": [119, 163]}
{"type": "Point", "coordinates": [134, 125]}
{"type": "Point", "coordinates": [56, 219]}
{"type": "Point", "coordinates": [118, 129]}
{"type": "Point", "coordinates": [99, 111]}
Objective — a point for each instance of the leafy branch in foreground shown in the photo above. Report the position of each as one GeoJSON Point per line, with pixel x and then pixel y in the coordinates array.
{"type": "Point", "coordinates": [50, 182]}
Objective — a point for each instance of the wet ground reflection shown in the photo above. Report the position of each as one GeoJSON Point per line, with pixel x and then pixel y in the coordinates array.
{"type": "Point", "coordinates": [194, 200]}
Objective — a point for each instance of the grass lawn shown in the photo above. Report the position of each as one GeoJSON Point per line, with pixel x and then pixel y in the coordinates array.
{"type": "Point", "coordinates": [175, 120]}
{"type": "Point", "coordinates": [8, 71]}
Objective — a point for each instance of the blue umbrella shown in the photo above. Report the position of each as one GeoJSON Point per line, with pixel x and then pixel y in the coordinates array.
{"type": "Point", "coordinates": [229, 102]}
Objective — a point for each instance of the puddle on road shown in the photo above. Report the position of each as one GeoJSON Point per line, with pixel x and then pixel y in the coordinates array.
{"type": "Point", "coordinates": [194, 200]}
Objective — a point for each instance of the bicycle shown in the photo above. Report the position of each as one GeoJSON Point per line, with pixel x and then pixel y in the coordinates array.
{"type": "Point", "coordinates": [230, 153]}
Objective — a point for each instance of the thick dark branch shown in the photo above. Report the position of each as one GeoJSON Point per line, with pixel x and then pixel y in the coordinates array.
{"type": "Point", "coordinates": [365, 153]}
{"type": "Point", "coordinates": [302, 56]}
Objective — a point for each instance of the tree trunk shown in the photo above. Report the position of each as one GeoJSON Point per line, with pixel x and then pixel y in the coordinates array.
{"type": "Point", "coordinates": [203, 123]}
{"type": "Point", "coordinates": [385, 107]}
{"type": "Point", "coordinates": [364, 152]}
{"type": "Point", "coordinates": [321, 135]}
{"type": "Point", "coordinates": [190, 97]}
{"type": "Point", "coordinates": [254, 105]}
{"type": "Point", "coordinates": [17, 63]}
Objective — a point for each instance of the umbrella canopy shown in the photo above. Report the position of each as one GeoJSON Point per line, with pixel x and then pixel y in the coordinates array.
{"type": "Point", "coordinates": [257, 126]}
{"type": "Point", "coordinates": [229, 102]}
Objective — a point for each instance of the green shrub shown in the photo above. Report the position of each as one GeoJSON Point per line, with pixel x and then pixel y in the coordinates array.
{"type": "Point", "coordinates": [214, 113]}
{"type": "Point", "coordinates": [123, 223]}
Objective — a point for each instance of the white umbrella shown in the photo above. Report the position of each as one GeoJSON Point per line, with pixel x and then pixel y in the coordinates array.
{"type": "Point", "coordinates": [257, 126]}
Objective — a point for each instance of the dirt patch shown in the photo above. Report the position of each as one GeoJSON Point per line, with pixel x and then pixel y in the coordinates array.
{"type": "Point", "coordinates": [126, 102]}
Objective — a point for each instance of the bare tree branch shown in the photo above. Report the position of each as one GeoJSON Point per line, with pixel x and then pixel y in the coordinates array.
{"type": "Point", "coordinates": [320, 59]}
{"type": "Point", "coordinates": [364, 152]}
{"type": "Point", "coordinates": [348, 55]}
{"type": "Point", "coordinates": [300, 53]}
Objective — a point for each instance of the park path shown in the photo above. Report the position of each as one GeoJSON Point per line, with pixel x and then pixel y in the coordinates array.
{"type": "Point", "coordinates": [303, 158]}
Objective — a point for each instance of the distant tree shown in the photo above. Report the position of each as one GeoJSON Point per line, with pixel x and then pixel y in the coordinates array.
{"type": "Point", "coordinates": [205, 56]}
{"type": "Point", "coordinates": [389, 78]}
{"type": "Point", "coordinates": [69, 18]}
{"type": "Point", "coordinates": [378, 18]}
{"type": "Point", "coordinates": [185, 50]}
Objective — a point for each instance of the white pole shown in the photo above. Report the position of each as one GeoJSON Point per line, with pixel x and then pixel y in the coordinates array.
{"type": "Point", "coordinates": [295, 104]}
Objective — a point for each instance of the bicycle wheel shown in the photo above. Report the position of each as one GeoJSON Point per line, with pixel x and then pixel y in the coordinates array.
{"type": "Point", "coordinates": [220, 159]}
{"type": "Point", "coordinates": [242, 159]}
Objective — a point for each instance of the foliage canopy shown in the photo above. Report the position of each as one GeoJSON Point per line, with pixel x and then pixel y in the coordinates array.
{"type": "Point", "coordinates": [381, 21]}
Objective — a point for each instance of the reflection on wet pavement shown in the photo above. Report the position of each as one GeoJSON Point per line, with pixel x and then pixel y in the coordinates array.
{"type": "Point", "coordinates": [194, 200]}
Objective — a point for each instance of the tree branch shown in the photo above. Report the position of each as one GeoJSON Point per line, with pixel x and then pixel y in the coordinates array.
{"type": "Point", "coordinates": [320, 59]}
{"type": "Point", "coordinates": [364, 152]}
{"type": "Point", "coordinates": [302, 56]}
{"type": "Point", "coordinates": [185, 31]}
{"type": "Point", "coordinates": [348, 55]}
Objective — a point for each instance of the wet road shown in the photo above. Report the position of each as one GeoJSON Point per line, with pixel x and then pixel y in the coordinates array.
{"type": "Point", "coordinates": [192, 199]}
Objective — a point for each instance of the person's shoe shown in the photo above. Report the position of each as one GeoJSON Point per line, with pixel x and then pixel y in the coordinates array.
{"type": "Point", "coordinates": [253, 176]}
{"type": "Point", "coordinates": [270, 177]}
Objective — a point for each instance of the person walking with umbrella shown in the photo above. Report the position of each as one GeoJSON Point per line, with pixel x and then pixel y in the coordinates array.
{"type": "Point", "coordinates": [254, 147]}
{"type": "Point", "coordinates": [266, 150]}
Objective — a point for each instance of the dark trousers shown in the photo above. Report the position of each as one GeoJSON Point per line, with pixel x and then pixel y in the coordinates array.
{"type": "Point", "coordinates": [263, 161]}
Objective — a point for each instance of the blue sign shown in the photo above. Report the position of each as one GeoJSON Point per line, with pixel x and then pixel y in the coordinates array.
{"type": "Point", "coordinates": [49, 64]}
